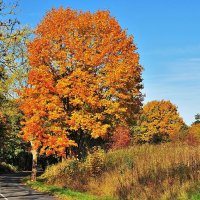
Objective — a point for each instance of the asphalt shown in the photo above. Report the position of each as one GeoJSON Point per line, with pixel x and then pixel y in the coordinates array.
{"type": "Point", "coordinates": [11, 188]}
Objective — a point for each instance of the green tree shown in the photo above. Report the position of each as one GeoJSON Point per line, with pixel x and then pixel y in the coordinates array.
{"type": "Point", "coordinates": [197, 119]}
{"type": "Point", "coordinates": [13, 53]}
{"type": "Point", "coordinates": [9, 127]}
{"type": "Point", "coordinates": [13, 74]}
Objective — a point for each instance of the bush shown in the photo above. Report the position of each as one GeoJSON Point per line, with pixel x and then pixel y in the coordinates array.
{"type": "Point", "coordinates": [68, 173]}
{"type": "Point", "coordinates": [74, 174]}
{"type": "Point", "coordinates": [95, 162]}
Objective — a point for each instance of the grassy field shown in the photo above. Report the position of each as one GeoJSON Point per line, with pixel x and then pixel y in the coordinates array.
{"type": "Point", "coordinates": [166, 171]}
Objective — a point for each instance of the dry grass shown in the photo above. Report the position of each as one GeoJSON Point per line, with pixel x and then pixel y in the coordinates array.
{"type": "Point", "coordinates": [166, 171]}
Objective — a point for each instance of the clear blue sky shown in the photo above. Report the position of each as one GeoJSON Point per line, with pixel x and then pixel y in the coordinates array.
{"type": "Point", "coordinates": [167, 34]}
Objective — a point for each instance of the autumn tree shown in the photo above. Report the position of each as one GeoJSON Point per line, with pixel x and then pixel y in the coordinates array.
{"type": "Point", "coordinates": [193, 133]}
{"type": "Point", "coordinates": [193, 136]}
{"type": "Point", "coordinates": [85, 76]}
{"type": "Point", "coordinates": [159, 121]}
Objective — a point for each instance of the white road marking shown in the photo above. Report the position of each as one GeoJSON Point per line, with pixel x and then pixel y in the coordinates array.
{"type": "Point", "coordinates": [3, 196]}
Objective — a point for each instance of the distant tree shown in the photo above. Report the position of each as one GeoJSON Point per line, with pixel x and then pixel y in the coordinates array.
{"type": "Point", "coordinates": [197, 119]}
{"type": "Point", "coordinates": [160, 121]}
{"type": "Point", "coordinates": [193, 133]}
{"type": "Point", "coordinates": [85, 77]}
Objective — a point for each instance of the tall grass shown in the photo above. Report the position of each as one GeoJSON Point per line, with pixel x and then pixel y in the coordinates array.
{"type": "Point", "coordinates": [166, 171]}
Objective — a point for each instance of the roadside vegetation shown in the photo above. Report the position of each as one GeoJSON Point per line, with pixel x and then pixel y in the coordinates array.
{"type": "Point", "coordinates": [63, 193]}
{"type": "Point", "coordinates": [165, 171]}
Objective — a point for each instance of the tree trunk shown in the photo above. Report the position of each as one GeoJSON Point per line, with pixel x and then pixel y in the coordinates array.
{"type": "Point", "coordinates": [34, 165]}
{"type": "Point", "coordinates": [64, 157]}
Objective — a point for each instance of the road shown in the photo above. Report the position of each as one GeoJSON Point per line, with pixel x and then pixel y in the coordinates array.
{"type": "Point", "coordinates": [11, 188]}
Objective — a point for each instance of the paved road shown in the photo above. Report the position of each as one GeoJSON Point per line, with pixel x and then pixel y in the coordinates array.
{"type": "Point", "coordinates": [12, 189]}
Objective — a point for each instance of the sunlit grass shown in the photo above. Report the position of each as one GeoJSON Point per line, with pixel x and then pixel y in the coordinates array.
{"type": "Point", "coordinates": [63, 193]}
{"type": "Point", "coordinates": [166, 171]}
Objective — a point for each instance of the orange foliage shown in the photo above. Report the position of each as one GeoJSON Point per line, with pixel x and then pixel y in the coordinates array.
{"type": "Point", "coordinates": [160, 121]}
{"type": "Point", "coordinates": [193, 137]}
{"type": "Point", "coordinates": [121, 137]}
{"type": "Point", "coordinates": [84, 75]}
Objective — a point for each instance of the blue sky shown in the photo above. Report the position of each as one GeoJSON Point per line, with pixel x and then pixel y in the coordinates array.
{"type": "Point", "coordinates": [167, 34]}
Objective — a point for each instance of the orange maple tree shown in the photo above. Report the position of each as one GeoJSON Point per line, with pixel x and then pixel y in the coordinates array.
{"type": "Point", "coordinates": [159, 121]}
{"type": "Point", "coordinates": [85, 76]}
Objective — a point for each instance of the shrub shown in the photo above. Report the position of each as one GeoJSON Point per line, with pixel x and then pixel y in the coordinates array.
{"type": "Point", "coordinates": [69, 173]}
{"type": "Point", "coordinates": [74, 174]}
{"type": "Point", "coordinates": [95, 161]}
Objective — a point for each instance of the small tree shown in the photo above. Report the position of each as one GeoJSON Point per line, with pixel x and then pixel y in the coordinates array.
{"type": "Point", "coordinates": [193, 133]}
{"type": "Point", "coordinates": [160, 121]}
{"type": "Point", "coordinates": [121, 137]}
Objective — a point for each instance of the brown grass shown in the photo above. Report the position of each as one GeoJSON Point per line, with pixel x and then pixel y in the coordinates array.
{"type": "Point", "coordinates": [166, 171]}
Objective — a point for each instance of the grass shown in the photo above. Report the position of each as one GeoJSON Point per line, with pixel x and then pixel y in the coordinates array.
{"type": "Point", "coordinates": [146, 172]}
{"type": "Point", "coordinates": [195, 197]}
{"type": "Point", "coordinates": [63, 193]}
{"type": "Point", "coordinates": [166, 171]}
{"type": "Point", "coordinates": [195, 194]}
